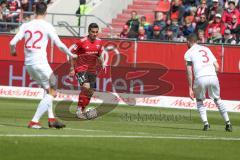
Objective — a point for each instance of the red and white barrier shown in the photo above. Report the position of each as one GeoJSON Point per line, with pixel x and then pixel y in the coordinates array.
{"type": "Point", "coordinates": [121, 99]}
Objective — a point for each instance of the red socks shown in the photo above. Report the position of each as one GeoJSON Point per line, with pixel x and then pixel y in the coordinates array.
{"type": "Point", "coordinates": [51, 119]}
{"type": "Point", "coordinates": [83, 99]}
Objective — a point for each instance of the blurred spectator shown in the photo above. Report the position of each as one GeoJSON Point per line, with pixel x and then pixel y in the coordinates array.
{"type": "Point", "coordinates": [159, 20]}
{"type": "Point", "coordinates": [188, 27]}
{"type": "Point", "coordinates": [32, 4]}
{"type": "Point", "coordinates": [229, 38]}
{"type": "Point", "coordinates": [132, 34]}
{"type": "Point", "coordinates": [124, 33]}
{"type": "Point", "coordinates": [3, 13]}
{"type": "Point", "coordinates": [188, 4]}
{"type": "Point", "coordinates": [25, 8]}
{"type": "Point", "coordinates": [133, 23]}
{"type": "Point", "coordinates": [15, 10]}
{"type": "Point", "coordinates": [169, 34]}
{"type": "Point", "coordinates": [25, 5]}
{"type": "Point", "coordinates": [236, 32]}
{"type": "Point", "coordinates": [202, 24]}
{"type": "Point", "coordinates": [217, 24]}
{"type": "Point", "coordinates": [216, 36]}
{"type": "Point", "coordinates": [175, 28]}
{"type": "Point", "coordinates": [141, 33]}
{"type": "Point", "coordinates": [226, 4]}
{"type": "Point", "coordinates": [229, 12]}
{"type": "Point", "coordinates": [234, 23]}
{"type": "Point", "coordinates": [156, 35]}
{"type": "Point", "coordinates": [201, 36]}
{"type": "Point", "coordinates": [214, 9]}
{"type": "Point", "coordinates": [191, 15]}
{"type": "Point", "coordinates": [201, 9]}
{"type": "Point", "coordinates": [145, 25]}
{"type": "Point", "coordinates": [176, 12]}
{"type": "Point", "coordinates": [81, 10]}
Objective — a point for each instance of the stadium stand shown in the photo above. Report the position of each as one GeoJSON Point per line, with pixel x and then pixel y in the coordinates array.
{"type": "Point", "coordinates": [173, 20]}
{"type": "Point", "coordinates": [177, 19]}
{"type": "Point", "coordinates": [142, 7]}
{"type": "Point", "coordinates": [14, 11]}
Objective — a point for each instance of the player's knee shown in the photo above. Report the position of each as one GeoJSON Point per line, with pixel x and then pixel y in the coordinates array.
{"type": "Point", "coordinates": [87, 91]}
{"type": "Point", "coordinates": [53, 82]}
{"type": "Point", "coordinates": [199, 103]}
{"type": "Point", "coordinates": [52, 92]}
{"type": "Point", "coordinates": [216, 100]}
{"type": "Point", "coordinates": [199, 100]}
{"type": "Point", "coordinates": [85, 86]}
{"type": "Point", "coordinates": [90, 92]}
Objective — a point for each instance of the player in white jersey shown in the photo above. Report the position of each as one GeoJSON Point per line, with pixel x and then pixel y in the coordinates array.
{"type": "Point", "coordinates": [36, 34]}
{"type": "Point", "coordinates": [201, 60]}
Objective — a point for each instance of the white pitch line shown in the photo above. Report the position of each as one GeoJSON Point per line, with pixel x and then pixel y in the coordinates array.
{"type": "Point", "coordinates": [93, 130]}
{"type": "Point", "coordinates": [134, 133]}
{"type": "Point", "coordinates": [121, 136]}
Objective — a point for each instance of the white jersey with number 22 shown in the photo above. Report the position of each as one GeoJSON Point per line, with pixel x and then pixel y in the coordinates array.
{"type": "Point", "coordinates": [36, 34]}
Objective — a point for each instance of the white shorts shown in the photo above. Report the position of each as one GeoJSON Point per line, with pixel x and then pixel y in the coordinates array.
{"type": "Point", "coordinates": [41, 73]}
{"type": "Point", "coordinates": [206, 83]}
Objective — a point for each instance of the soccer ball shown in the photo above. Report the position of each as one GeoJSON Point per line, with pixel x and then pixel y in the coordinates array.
{"type": "Point", "coordinates": [91, 113]}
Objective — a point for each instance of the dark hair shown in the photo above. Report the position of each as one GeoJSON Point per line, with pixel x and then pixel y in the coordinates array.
{"type": "Point", "coordinates": [3, 2]}
{"type": "Point", "coordinates": [143, 17]}
{"type": "Point", "coordinates": [134, 11]}
{"type": "Point", "coordinates": [92, 25]}
{"type": "Point", "coordinates": [41, 8]}
{"type": "Point", "coordinates": [82, 2]}
{"type": "Point", "coordinates": [192, 38]}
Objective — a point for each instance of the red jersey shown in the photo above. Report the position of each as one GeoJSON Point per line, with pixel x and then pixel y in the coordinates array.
{"type": "Point", "coordinates": [88, 55]}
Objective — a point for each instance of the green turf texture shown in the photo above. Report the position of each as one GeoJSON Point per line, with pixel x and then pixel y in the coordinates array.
{"type": "Point", "coordinates": [126, 133]}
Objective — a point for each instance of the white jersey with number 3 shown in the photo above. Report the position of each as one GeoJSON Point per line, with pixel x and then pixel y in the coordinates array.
{"type": "Point", "coordinates": [36, 34]}
{"type": "Point", "coordinates": [202, 59]}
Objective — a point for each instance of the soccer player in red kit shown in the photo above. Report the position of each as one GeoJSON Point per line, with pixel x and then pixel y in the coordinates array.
{"type": "Point", "coordinates": [86, 66]}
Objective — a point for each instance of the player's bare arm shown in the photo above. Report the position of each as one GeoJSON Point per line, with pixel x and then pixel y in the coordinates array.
{"type": "Point", "coordinates": [54, 37]}
{"type": "Point", "coordinates": [101, 61]}
{"type": "Point", "coordinates": [13, 50]}
{"type": "Point", "coordinates": [71, 70]}
{"type": "Point", "coordinates": [190, 78]}
{"type": "Point", "coordinates": [19, 36]}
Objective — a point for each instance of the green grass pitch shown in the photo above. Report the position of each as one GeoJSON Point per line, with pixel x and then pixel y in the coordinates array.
{"type": "Point", "coordinates": [126, 133]}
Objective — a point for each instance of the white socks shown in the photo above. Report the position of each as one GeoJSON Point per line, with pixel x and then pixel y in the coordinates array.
{"type": "Point", "coordinates": [44, 105]}
{"type": "Point", "coordinates": [222, 110]}
{"type": "Point", "coordinates": [221, 107]}
{"type": "Point", "coordinates": [203, 112]}
{"type": "Point", "coordinates": [50, 110]}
